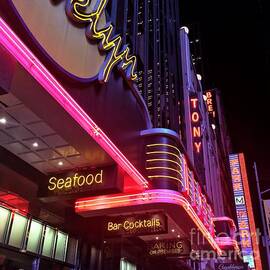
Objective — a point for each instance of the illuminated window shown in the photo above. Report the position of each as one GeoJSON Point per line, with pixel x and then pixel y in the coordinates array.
{"type": "Point", "coordinates": [18, 230]}
{"type": "Point", "coordinates": [49, 240]}
{"type": "Point", "coordinates": [34, 237]}
{"type": "Point", "coordinates": [61, 246]}
{"type": "Point", "coordinates": [5, 218]}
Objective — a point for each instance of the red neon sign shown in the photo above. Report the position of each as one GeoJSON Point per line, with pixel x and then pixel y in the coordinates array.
{"type": "Point", "coordinates": [209, 104]}
{"type": "Point", "coordinates": [196, 125]}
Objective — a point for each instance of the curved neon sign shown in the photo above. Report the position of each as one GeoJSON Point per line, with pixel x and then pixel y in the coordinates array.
{"type": "Point", "coordinates": [118, 54]}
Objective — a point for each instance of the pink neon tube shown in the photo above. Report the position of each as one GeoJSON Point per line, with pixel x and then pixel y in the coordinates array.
{"type": "Point", "coordinates": [26, 58]}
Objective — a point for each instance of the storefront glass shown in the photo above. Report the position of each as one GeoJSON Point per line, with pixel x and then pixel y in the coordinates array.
{"type": "Point", "coordinates": [34, 240]}
{"type": "Point", "coordinates": [48, 244]}
{"type": "Point", "coordinates": [18, 230]}
{"type": "Point", "coordinates": [35, 234]}
{"type": "Point", "coordinates": [61, 246]}
{"type": "Point", "coordinates": [5, 218]}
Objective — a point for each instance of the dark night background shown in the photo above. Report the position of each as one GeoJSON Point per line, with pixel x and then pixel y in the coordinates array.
{"type": "Point", "coordinates": [235, 39]}
{"type": "Point", "coordinates": [235, 42]}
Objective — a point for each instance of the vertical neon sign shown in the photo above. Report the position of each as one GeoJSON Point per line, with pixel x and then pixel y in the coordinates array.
{"type": "Point", "coordinates": [197, 134]}
{"type": "Point", "coordinates": [210, 103]}
{"type": "Point", "coordinates": [245, 218]}
{"type": "Point", "coordinates": [196, 125]}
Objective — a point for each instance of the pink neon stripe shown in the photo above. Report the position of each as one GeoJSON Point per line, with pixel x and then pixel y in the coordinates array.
{"type": "Point", "coordinates": [26, 58]}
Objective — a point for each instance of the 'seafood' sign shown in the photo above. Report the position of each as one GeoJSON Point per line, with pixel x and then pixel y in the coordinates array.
{"type": "Point", "coordinates": [135, 225]}
{"type": "Point", "coordinates": [76, 181]}
{"type": "Point", "coordinates": [74, 184]}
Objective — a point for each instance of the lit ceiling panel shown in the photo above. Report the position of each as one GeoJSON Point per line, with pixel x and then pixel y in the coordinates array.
{"type": "Point", "coordinates": [34, 141]}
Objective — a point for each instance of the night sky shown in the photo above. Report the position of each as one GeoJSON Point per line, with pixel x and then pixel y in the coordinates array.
{"type": "Point", "coordinates": [235, 40]}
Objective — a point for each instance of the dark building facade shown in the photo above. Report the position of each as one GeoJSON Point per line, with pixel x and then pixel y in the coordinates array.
{"type": "Point", "coordinates": [102, 167]}
{"type": "Point", "coordinates": [151, 28]}
{"type": "Point", "coordinates": [167, 76]}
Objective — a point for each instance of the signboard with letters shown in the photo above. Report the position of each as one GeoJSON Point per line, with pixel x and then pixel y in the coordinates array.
{"type": "Point", "coordinates": [197, 135]}
{"type": "Point", "coordinates": [136, 225]}
{"type": "Point", "coordinates": [244, 212]}
{"type": "Point", "coordinates": [118, 53]}
{"type": "Point", "coordinates": [231, 266]}
{"type": "Point", "coordinates": [74, 184]}
{"type": "Point", "coordinates": [169, 248]}
{"type": "Point", "coordinates": [196, 120]}
{"type": "Point", "coordinates": [211, 105]}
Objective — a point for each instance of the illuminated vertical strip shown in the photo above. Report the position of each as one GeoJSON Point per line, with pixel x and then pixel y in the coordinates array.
{"type": "Point", "coordinates": [198, 198]}
{"type": "Point", "coordinates": [244, 212]}
{"type": "Point", "coordinates": [191, 188]}
{"type": "Point", "coordinates": [185, 176]}
{"type": "Point", "coordinates": [252, 225]}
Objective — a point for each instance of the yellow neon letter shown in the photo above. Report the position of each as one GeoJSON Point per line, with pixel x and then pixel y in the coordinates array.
{"type": "Point", "coordinates": [118, 54]}
{"type": "Point", "coordinates": [52, 183]}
